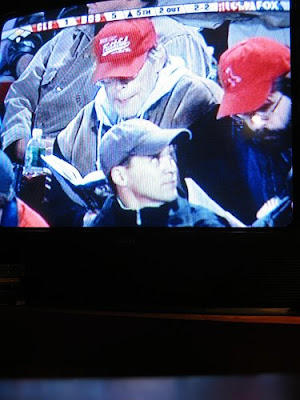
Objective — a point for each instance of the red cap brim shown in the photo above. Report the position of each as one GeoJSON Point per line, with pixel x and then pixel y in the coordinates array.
{"type": "Point", "coordinates": [244, 100]}
{"type": "Point", "coordinates": [126, 68]}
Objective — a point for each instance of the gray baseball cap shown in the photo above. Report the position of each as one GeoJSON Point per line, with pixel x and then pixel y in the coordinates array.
{"type": "Point", "coordinates": [135, 137]}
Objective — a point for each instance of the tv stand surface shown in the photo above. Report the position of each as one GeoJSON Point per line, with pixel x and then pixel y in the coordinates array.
{"type": "Point", "coordinates": [257, 315]}
{"type": "Point", "coordinates": [47, 342]}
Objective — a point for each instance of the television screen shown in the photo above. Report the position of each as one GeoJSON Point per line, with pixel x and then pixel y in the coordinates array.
{"type": "Point", "coordinates": [149, 125]}
{"type": "Point", "coordinates": [80, 85]}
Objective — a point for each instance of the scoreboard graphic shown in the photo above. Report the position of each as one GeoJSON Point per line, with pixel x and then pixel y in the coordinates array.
{"type": "Point", "coordinates": [207, 7]}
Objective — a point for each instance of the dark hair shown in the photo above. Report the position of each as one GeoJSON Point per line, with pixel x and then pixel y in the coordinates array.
{"type": "Point", "coordinates": [282, 84]}
{"type": "Point", "coordinates": [149, 3]}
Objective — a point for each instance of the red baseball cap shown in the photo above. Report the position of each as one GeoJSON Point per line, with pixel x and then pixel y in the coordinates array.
{"type": "Point", "coordinates": [121, 48]}
{"type": "Point", "coordinates": [247, 71]}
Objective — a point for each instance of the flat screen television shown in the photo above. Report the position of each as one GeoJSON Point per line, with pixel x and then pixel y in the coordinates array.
{"type": "Point", "coordinates": [243, 172]}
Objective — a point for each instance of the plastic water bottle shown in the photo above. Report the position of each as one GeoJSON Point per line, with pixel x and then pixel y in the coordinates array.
{"type": "Point", "coordinates": [35, 148]}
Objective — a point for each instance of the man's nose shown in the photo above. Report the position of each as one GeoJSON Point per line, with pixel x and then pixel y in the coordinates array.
{"type": "Point", "coordinates": [119, 89]}
{"type": "Point", "coordinates": [169, 164]}
{"type": "Point", "coordinates": [119, 83]}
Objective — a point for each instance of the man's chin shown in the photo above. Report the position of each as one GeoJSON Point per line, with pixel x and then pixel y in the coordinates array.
{"type": "Point", "coordinates": [171, 198]}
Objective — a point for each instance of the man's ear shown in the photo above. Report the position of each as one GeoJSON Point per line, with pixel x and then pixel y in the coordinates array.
{"type": "Point", "coordinates": [273, 96]}
{"type": "Point", "coordinates": [119, 175]}
{"type": "Point", "coordinates": [158, 55]}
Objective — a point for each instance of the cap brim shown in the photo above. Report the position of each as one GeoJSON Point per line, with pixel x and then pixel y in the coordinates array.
{"type": "Point", "coordinates": [154, 144]}
{"type": "Point", "coordinates": [244, 101]}
{"type": "Point", "coordinates": [126, 68]}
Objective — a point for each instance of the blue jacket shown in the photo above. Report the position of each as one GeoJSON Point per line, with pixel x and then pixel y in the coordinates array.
{"type": "Point", "coordinates": [10, 214]}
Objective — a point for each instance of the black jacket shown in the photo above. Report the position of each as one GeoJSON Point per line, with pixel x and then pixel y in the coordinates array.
{"type": "Point", "coordinates": [236, 169]}
{"type": "Point", "coordinates": [179, 213]}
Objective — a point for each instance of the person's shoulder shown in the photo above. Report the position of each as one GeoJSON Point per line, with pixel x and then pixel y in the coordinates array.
{"type": "Point", "coordinates": [199, 87]}
{"type": "Point", "coordinates": [29, 218]}
{"type": "Point", "coordinates": [168, 26]}
{"type": "Point", "coordinates": [209, 85]}
{"type": "Point", "coordinates": [86, 112]}
{"type": "Point", "coordinates": [88, 30]}
{"type": "Point", "coordinates": [202, 216]}
{"type": "Point", "coordinates": [70, 34]}
{"type": "Point", "coordinates": [105, 214]}
{"type": "Point", "coordinates": [77, 129]}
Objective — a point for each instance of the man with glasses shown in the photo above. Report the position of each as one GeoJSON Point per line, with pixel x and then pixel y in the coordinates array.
{"type": "Point", "coordinates": [253, 130]}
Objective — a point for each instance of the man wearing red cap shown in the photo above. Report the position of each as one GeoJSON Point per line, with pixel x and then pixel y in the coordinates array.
{"type": "Point", "coordinates": [248, 72]}
{"type": "Point", "coordinates": [58, 80]}
{"type": "Point", "coordinates": [137, 80]}
{"type": "Point", "coordinates": [179, 37]}
{"type": "Point", "coordinates": [252, 129]}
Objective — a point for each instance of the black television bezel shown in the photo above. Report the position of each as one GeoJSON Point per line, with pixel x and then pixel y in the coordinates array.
{"type": "Point", "coordinates": [235, 267]}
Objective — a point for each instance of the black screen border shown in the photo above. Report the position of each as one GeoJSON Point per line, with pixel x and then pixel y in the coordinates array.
{"type": "Point", "coordinates": [268, 259]}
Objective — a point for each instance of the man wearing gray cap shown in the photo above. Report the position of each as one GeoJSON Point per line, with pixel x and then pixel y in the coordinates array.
{"type": "Point", "coordinates": [139, 160]}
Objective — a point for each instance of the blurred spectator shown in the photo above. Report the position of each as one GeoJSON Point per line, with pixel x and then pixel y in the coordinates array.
{"type": "Point", "coordinates": [51, 91]}
{"type": "Point", "coordinates": [13, 211]}
{"type": "Point", "coordinates": [273, 25]}
{"type": "Point", "coordinates": [15, 55]}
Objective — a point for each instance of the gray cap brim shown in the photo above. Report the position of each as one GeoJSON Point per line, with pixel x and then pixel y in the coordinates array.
{"type": "Point", "coordinates": [136, 137]}
{"type": "Point", "coordinates": [153, 144]}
